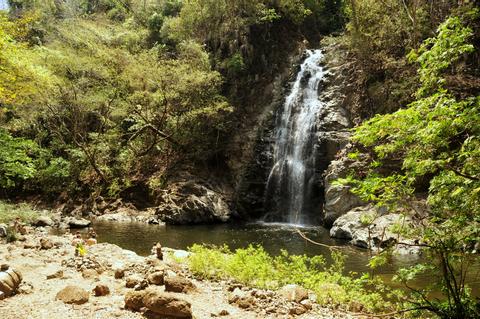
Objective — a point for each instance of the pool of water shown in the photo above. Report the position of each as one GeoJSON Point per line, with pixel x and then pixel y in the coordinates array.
{"type": "Point", "coordinates": [140, 238]}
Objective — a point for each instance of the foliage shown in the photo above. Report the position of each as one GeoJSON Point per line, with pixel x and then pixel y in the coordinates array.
{"type": "Point", "coordinates": [15, 162]}
{"type": "Point", "coordinates": [8, 213]}
{"type": "Point", "coordinates": [436, 138]}
{"type": "Point", "coordinates": [253, 266]}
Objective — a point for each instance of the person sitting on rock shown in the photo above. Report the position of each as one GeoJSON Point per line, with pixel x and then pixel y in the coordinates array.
{"type": "Point", "coordinates": [77, 242]}
{"type": "Point", "coordinates": [92, 240]}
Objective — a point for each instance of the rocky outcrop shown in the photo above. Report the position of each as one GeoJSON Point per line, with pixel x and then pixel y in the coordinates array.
{"type": "Point", "coordinates": [189, 202]}
{"type": "Point", "coordinates": [369, 227]}
{"type": "Point", "coordinates": [338, 198]}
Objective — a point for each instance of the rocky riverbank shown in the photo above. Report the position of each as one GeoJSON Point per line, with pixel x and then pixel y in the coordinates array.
{"type": "Point", "coordinates": [110, 282]}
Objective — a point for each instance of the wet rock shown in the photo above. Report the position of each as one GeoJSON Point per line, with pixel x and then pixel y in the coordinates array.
{"type": "Point", "coordinates": [294, 293]}
{"type": "Point", "coordinates": [46, 243]}
{"type": "Point", "coordinates": [166, 304]}
{"type": "Point", "coordinates": [73, 295]}
{"type": "Point", "coordinates": [134, 300]}
{"type": "Point", "coordinates": [178, 284]}
{"type": "Point", "coordinates": [101, 290]}
{"type": "Point", "coordinates": [189, 202]}
{"type": "Point", "coordinates": [78, 222]}
{"type": "Point", "coordinates": [156, 278]}
{"type": "Point", "coordinates": [43, 221]}
{"type": "Point", "coordinates": [367, 227]}
{"type": "Point", "coordinates": [338, 198]}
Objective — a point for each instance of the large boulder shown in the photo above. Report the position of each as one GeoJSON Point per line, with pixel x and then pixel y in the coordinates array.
{"type": "Point", "coordinates": [78, 222]}
{"type": "Point", "coordinates": [42, 221]}
{"type": "Point", "coordinates": [73, 295]}
{"type": "Point", "coordinates": [369, 227]}
{"type": "Point", "coordinates": [167, 304]}
{"type": "Point", "coordinates": [178, 284]}
{"type": "Point", "coordinates": [192, 203]}
{"type": "Point", "coordinates": [338, 198]}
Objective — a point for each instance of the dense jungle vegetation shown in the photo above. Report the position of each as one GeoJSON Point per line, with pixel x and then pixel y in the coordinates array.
{"type": "Point", "coordinates": [106, 96]}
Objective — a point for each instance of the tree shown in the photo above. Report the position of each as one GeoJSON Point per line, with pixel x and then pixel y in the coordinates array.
{"type": "Point", "coordinates": [437, 138]}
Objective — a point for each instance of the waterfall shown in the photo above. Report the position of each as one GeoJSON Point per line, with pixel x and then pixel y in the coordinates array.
{"type": "Point", "coordinates": [290, 193]}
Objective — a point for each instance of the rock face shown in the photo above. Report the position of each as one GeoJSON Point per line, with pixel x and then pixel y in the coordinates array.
{"type": "Point", "coordinates": [73, 295]}
{"type": "Point", "coordinates": [338, 198]}
{"type": "Point", "coordinates": [368, 227]}
{"type": "Point", "coordinates": [192, 203]}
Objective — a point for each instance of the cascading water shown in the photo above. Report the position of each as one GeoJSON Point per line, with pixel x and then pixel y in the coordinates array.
{"type": "Point", "coordinates": [291, 186]}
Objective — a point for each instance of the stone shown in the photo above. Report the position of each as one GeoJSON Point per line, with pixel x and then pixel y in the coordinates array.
{"type": "Point", "coordinates": [157, 251]}
{"type": "Point", "coordinates": [133, 281]}
{"type": "Point", "coordinates": [43, 221]}
{"type": "Point", "coordinates": [223, 313]}
{"type": "Point", "coordinates": [241, 298]}
{"type": "Point", "coordinates": [156, 278]}
{"type": "Point", "coordinates": [338, 198]}
{"type": "Point", "coordinates": [119, 273]}
{"type": "Point", "coordinates": [307, 303]}
{"type": "Point", "coordinates": [178, 284]}
{"type": "Point", "coordinates": [78, 222]}
{"type": "Point", "coordinates": [55, 275]}
{"type": "Point", "coordinates": [375, 234]}
{"type": "Point", "coordinates": [89, 273]}
{"type": "Point", "coordinates": [167, 304]}
{"type": "Point", "coordinates": [46, 243]}
{"type": "Point", "coordinates": [294, 293]}
{"type": "Point", "coordinates": [3, 230]}
{"type": "Point", "coordinates": [189, 202]}
{"type": "Point", "coordinates": [297, 310]}
{"type": "Point", "coordinates": [73, 295]}
{"type": "Point", "coordinates": [30, 244]}
{"type": "Point", "coordinates": [134, 300]}
{"type": "Point", "coordinates": [101, 290]}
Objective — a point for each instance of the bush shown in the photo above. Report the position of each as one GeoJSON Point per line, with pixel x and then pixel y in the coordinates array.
{"type": "Point", "coordinates": [253, 266]}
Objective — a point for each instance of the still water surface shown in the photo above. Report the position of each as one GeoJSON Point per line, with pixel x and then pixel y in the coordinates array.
{"type": "Point", "coordinates": [140, 238]}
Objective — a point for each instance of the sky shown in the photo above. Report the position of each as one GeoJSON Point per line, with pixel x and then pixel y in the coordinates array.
{"type": "Point", "coordinates": [3, 4]}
